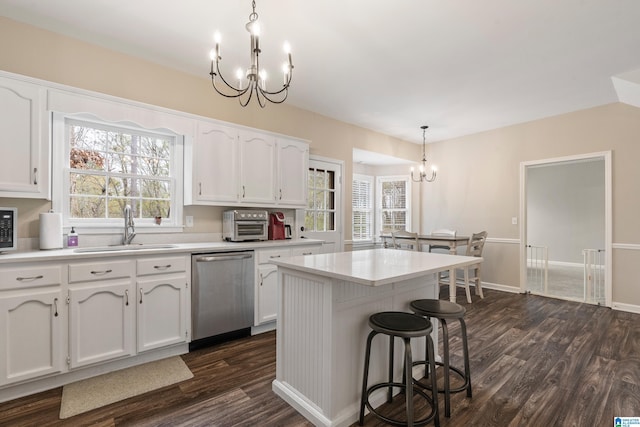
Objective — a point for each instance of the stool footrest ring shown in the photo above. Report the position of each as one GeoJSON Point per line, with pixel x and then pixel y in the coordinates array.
{"type": "Point", "coordinates": [416, 391]}
{"type": "Point", "coordinates": [458, 371]}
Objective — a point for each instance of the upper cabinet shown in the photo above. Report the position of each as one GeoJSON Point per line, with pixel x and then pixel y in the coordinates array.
{"type": "Point", "coordinates": [25, 138]}
{"type": "Point", "coordinates": [215, 174]}
{"type": "Point", "coordinates": [293, 166]}
{"type": "Point", "coordinates": [245, 168]}
{"type": "Point", "coordinates": [257, 167]}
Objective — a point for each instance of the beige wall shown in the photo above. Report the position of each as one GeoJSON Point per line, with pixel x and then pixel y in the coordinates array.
{"type": "Point", "coordinates": [478, 184]}
{"type": "Point", "coordinates": [478, 181]}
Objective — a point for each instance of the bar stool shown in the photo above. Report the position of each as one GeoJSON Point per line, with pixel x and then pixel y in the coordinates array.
{"type": "Point", "coordinates": [405, 326]}
{"type": "Point", "coordinates": [444, 310]}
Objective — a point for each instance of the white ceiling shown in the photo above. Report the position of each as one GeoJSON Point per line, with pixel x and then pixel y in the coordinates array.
{"type": "Point", "coordinates": [459, 66]}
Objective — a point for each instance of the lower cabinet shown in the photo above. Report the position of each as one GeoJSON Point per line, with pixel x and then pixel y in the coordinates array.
{"type": "Point", "coordinates": [162, 301]}
{"type": "Point", "coordinates": [101, 322]}
{"type": "Point", "coordinates": [266, 297]}
{"type": "Point", "coordinates": [31, 343]}
{"type": "Point", "coordinates": [32, 322]}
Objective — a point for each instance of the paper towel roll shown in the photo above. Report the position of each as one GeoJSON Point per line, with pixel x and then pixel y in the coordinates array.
{"type": "Point", "coordinates": [51, 230]}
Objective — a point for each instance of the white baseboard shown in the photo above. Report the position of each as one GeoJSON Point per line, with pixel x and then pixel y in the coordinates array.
{"type": "Point", "coordinates": [626, 307]}
{"type": "Point", "coordinates": [503, 288]}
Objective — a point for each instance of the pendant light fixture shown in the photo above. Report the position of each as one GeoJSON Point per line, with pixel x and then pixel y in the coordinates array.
{"type": "Point", "coordinates": [423, 174]}
{"type": "Point", "coordinates": [253, 80]}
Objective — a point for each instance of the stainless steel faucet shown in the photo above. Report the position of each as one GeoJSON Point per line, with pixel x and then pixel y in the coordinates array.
{"type": "Point", "coordinates": [129, 226]}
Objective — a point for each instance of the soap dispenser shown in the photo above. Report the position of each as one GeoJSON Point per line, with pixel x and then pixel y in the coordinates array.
{"type": "Point", "coordinates": [72, 238]}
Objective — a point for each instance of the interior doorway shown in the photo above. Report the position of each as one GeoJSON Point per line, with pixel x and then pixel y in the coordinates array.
{"type": "Point", "coordinates": [565, 228]}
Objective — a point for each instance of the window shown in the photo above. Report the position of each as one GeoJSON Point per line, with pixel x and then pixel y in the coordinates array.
{"type": "Point", "coordinates": [321, 210]}
{"type": "Point", "coordinates": [107, 167]}
{"type": "Point", "coordinates": [394, 203]}
{"type": "Point", "coordinates": [362, 207]}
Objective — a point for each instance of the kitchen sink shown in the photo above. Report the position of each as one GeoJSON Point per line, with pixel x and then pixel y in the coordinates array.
{"type": "Point", "coordinates": [131, 247]}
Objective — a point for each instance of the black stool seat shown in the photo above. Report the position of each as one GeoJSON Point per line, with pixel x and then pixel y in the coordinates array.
{"type": "Point", "coordinates": [438, 308]}
{"type": "Point", "coordinates": [402, 325]}
{"type": "Point", "coordinates": [443, 311]}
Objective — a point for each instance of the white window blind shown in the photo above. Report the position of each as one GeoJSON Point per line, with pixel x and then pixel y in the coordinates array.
{"type": "Point", "coordinates": [362, 207]}
{"type": "Point", "coordinates": [394, 203]}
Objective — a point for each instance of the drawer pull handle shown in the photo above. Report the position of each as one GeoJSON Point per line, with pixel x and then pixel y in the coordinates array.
{"type": "Point", "coordinates": [140, 295]}
{"type": "Point", "coordinates": [162, 267]}
{"type": "Point", "coordinates": [22, 279]}
{"type": "Point", "coordinates": [126, 297]}
{"type": "Point", "coordinates": [261, 278]}
{"type": "Point", "coordinates": [307, 253]}
{"type": "Point", "coordinates": [55, 307]}
{"type": "Point", "coordinates": [274, 256]}
{"type": "Point", "coordinates": [100, 273]}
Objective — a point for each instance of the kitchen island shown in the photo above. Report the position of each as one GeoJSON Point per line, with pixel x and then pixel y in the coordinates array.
{"type": "Point", "coordinates": [324, 302]}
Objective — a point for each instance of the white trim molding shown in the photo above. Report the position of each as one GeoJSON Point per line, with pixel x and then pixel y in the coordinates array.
{"type": "Point", "coordinates": [626, 307]}
{"type": "Point", "coordinates": [503, 240]}
{"type": "Point", "coordinates": [628, 246]}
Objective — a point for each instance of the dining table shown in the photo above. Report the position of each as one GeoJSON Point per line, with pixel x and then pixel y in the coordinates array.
{"type": "Point", "coordinates": [451, 241]}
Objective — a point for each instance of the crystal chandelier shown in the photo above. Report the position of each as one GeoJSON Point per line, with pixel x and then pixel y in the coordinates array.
{"type": "Point", "coordinates": [256, 78]}
{"type": "Point", "coordinates": [423, 174]}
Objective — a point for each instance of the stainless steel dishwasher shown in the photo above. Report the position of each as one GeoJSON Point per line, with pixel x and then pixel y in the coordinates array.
{"type": "Point", "coordinates": [222, 295]}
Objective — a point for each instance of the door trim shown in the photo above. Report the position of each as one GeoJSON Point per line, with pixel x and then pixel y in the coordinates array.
{"type": "Point", "coordinates": [608, 218]}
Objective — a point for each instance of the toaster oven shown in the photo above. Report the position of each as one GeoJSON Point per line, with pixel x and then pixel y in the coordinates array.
{"type": "Point", "coordinates": [8, 229]}
{"type": "Point", "coordinates": [243, 225]}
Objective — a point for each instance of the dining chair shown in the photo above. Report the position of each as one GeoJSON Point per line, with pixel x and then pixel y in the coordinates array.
{"type": "Point", "coordinates": [402, 239]}
{"type": "Point", "coordinates": [472, 272]}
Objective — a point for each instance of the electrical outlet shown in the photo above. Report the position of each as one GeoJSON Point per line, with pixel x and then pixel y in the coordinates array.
{"type": "Point", "coordinates": [188, 221]}
{"type": "Point", "coordinates": [514, 220]}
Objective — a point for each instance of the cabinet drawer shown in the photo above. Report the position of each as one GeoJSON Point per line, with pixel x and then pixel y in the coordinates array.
{"type": "Point", "coordinates": [306, 250]}
{"type": "Point", "coordinates": [100, 271]}
{"type": "Point", "coordinates": [265, 256]}
{"type": "Point", "coordinates": [161, 265]}
{"type": "Point", "coordinates": [30, 277]}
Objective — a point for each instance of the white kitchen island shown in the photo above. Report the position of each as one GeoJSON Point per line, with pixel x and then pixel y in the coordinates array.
{"type": "Point", "coordinates": [324, 304]}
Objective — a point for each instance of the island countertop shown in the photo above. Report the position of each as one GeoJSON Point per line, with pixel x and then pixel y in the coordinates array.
{"type": "Point", "coordinates": [375, 267]}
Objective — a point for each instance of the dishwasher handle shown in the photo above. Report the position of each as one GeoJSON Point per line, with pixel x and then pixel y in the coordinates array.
{"type": "Point", "coordinates": [222, 257]}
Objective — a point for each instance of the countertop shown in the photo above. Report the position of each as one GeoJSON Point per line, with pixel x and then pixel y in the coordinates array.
{"type": "Point", "coordinates": [177, 248]}
{"type": "Point", "coordinates": [375, 267]}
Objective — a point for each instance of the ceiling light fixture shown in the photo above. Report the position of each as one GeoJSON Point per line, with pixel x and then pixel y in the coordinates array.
{"type": "Point", "coordinates": [256, 78]}
{"type": "Point", "coordinates": [423, 166]}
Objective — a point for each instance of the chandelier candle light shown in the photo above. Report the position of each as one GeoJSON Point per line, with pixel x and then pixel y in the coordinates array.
{"type": "Point", "coordinates": [255, 77]}
{"type": "Point", "coordinates": [423, 166]}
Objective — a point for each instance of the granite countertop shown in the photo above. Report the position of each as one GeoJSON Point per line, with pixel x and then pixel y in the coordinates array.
{"type": "Point", "coordinates": [376, 267]}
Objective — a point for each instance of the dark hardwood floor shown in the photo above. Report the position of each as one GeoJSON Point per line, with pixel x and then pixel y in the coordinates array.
{"type": "Point", "coordinates": [535, 361]}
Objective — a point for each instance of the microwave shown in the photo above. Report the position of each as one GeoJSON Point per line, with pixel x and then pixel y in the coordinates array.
{"type": "Point", "coordinates": [243, 225]}
{"type": "Point", "coordinates": [8, 229]}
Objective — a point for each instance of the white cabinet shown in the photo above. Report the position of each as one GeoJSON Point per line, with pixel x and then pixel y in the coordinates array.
{"type": "Point", "coordinates": [31, 323]}
{"type": "Point", "coordinates": [266, 306]}
{"type": "Point", "coordinates": [162, 292]}
{"type": "Point", "coordinates": [293, 167]}
{"type": "Point", "coordinates": [24, 125]}
{"type": "Point", "coordinates": [215, 164]}
{"type": "Point", "coordinates": [240, 167]}
{"type": "Point", "coordinates": [257, 168]}
{"type": "Point", "coordinates": [101, 311]}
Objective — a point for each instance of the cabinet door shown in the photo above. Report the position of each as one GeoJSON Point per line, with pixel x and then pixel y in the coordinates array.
{"type": "Point", "coordinates": [306, 250]}
{"type": "Point", "coordinates": [216, 174]}
{"type": "Point", "coordinates": [30, 336]}
{"type": "Point", "coordinates": [24, 134]}
{"type": "Point", "coordinates": [257, 168]}
{"type": "Point", "coordinates": [101, 322]}
{"type": "Point", "coordinates": [267, 307]}
{"type": "Point", "coordinates": [162, 311]}
{"type": "Point", "coordinates": [293, 166]}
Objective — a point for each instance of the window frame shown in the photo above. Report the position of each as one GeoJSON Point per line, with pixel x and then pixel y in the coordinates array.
{"type": "Point", "coordinates": [61, 171]}
{"type": "Point", "coordinates": [407, 208]}
{"type": "Point", "coordinates": [370, 209]}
